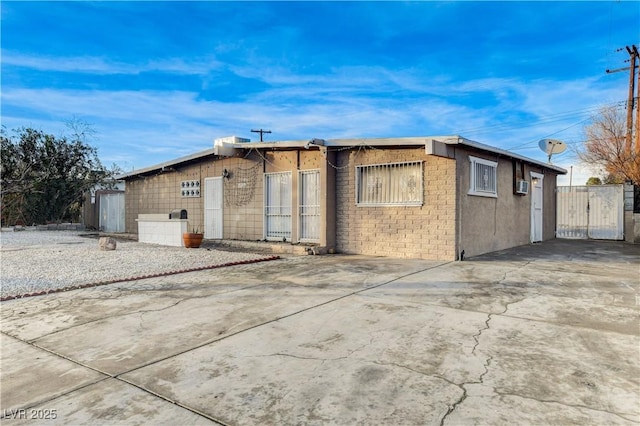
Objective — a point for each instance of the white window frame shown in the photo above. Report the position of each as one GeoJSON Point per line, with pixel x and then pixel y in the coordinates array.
{"type": "Point", "coordinates": [383, 190]}
{"type": "Point", "coordinates": [474, 188]}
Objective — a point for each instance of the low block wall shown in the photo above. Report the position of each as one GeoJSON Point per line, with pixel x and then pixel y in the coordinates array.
{"type": "Point", "coordinates": [159, 229]}
{"type": "Point", "coordinates": [61, 227]}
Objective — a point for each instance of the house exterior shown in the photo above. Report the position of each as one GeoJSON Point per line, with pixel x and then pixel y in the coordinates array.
{"type": "Point", "coordinates": [418, 197]}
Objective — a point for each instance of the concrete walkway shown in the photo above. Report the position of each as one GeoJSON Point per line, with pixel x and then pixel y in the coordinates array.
{"type": "Point", "coordinates": [541, 334]}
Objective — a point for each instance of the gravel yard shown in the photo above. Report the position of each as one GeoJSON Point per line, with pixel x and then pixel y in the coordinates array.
{"type": "Point", "coordinates": [37, 261]}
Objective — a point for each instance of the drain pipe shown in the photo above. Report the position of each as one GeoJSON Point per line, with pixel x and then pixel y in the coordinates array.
{"type": "Point", "coordinates": [459, 249]}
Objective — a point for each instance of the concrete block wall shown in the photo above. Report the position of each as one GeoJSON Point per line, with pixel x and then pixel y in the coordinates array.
{"type": "Point", "coordinates": [243, 210]}
{"type": "Point", "coordinates": [161, 193]}
{"type": "Point", "coordinates": [426, 232]}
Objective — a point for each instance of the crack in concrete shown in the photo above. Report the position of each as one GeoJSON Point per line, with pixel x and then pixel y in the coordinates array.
{"type": "Point", "coordinates": [520, 267]}
{"type": "Point", "coordinates": [476, 336]}
{"type": "Point", "coordinates": [460, 386]}
{"type": "Point", "coordinates": [487, 362]}
{"type": "Point", "coordinates": [311, 358]}
{"type": "Point", "coordinates": [116, 315]}
{"type": "Point", "coordinates": [453, 407]}
{"type": "Point", "coordinates": [128, 313]}
{"type": "Point", "coordinates": [582, 407]}
{"type": "Point", "coordinates": [413, 370]}
{"type": "Point", "coordinates": [142, 312]}
{"type": "Point", "coordinates": [350, 352]}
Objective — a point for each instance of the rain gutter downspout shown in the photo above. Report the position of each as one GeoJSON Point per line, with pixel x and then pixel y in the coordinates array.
{"type": "Point", "coordinates": [458, 243]}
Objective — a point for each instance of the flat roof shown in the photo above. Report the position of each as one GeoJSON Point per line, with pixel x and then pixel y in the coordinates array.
{"type": "Point", "coordinates": [350, 142]}
{"type": "Point", "coordinates": [402, 141]}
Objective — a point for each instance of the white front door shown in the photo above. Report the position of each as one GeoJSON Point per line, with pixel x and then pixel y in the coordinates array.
{"type": "Point", "coordinates": [536, 206]}
{"type": "Point", "coordinates": [213, 201]}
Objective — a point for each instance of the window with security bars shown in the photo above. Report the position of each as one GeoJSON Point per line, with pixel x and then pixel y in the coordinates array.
{"type": "Point", "coordinates": [483, 177]}
{"type": "Point", "coordinates": [391, 184]}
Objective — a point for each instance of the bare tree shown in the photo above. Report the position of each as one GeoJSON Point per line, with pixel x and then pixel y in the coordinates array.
{"type": "Point", "coordinates": [81, 130]}
{"type": "Point", "coordinates": [604, 147]}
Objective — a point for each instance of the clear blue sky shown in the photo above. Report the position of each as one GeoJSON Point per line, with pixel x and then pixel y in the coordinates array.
{"type": "Point", "coordinates": [158, 80]}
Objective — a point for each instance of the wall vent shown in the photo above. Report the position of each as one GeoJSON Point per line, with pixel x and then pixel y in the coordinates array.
{"type": "Point", "coordinates": [190, 188]}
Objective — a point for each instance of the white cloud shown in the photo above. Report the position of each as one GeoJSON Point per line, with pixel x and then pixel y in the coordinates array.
{"type": "Point", "coordinates": [98, 65]}
{"type": "Point", "coordinates": [154, 126]}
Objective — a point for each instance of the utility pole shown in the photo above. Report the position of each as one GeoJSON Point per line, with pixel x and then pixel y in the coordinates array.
{"type": "Point", "coordinates": [633, 56]}
{"type": "Point", "coordinates": [261, 132]}
{"type": "Point", "coordinates": [635, 51]}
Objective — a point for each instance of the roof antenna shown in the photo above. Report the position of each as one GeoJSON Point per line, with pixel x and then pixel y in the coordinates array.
{"type": "Point", "coordinates": [552, 146]}
{"type": "Point", "coordinates": [261, 132]}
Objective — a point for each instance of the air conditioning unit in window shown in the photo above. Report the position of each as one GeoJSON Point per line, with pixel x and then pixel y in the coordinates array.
{"type": "Point", "coordinates": [522, 187]}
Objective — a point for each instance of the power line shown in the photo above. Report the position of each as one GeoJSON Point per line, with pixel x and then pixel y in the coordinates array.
{"type": "Point", "coordinates": [542, 120]}
{"type": "Point", "coordinates": [526, 144]}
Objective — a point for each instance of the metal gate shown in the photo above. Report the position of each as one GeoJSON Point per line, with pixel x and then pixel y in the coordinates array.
{"type": "Point", "coordinates": [277, 206]}
{"type": "Point", "coordinates": [594, 211]}
{"type": "Point", "coordinates": [112, 212]}
{"type": "Point", "coordinates": [309, 208]}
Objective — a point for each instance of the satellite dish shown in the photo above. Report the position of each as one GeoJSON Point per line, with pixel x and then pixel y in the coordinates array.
{"type": "Point", "coordinates": [552, 146]}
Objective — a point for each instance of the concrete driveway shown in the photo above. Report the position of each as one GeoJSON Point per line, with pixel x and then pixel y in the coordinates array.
{"type": "Point", "coordinates": [541, 334]}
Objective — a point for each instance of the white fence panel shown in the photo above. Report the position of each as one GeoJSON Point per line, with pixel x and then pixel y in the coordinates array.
{"type": "Point", "coordinates": [572, 218]}
{"type": "Point", "coordinates": [606, 212]}
{"type": "Point", "coordinates": [594, 211]}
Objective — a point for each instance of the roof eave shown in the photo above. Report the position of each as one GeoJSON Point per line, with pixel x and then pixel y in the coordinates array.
{"type": "Point", "coordinates": [459, 140]}
{"type": "Point", "coordinates": [167, 164]}
{"type": "Point", "coordinates": [309, 143]}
